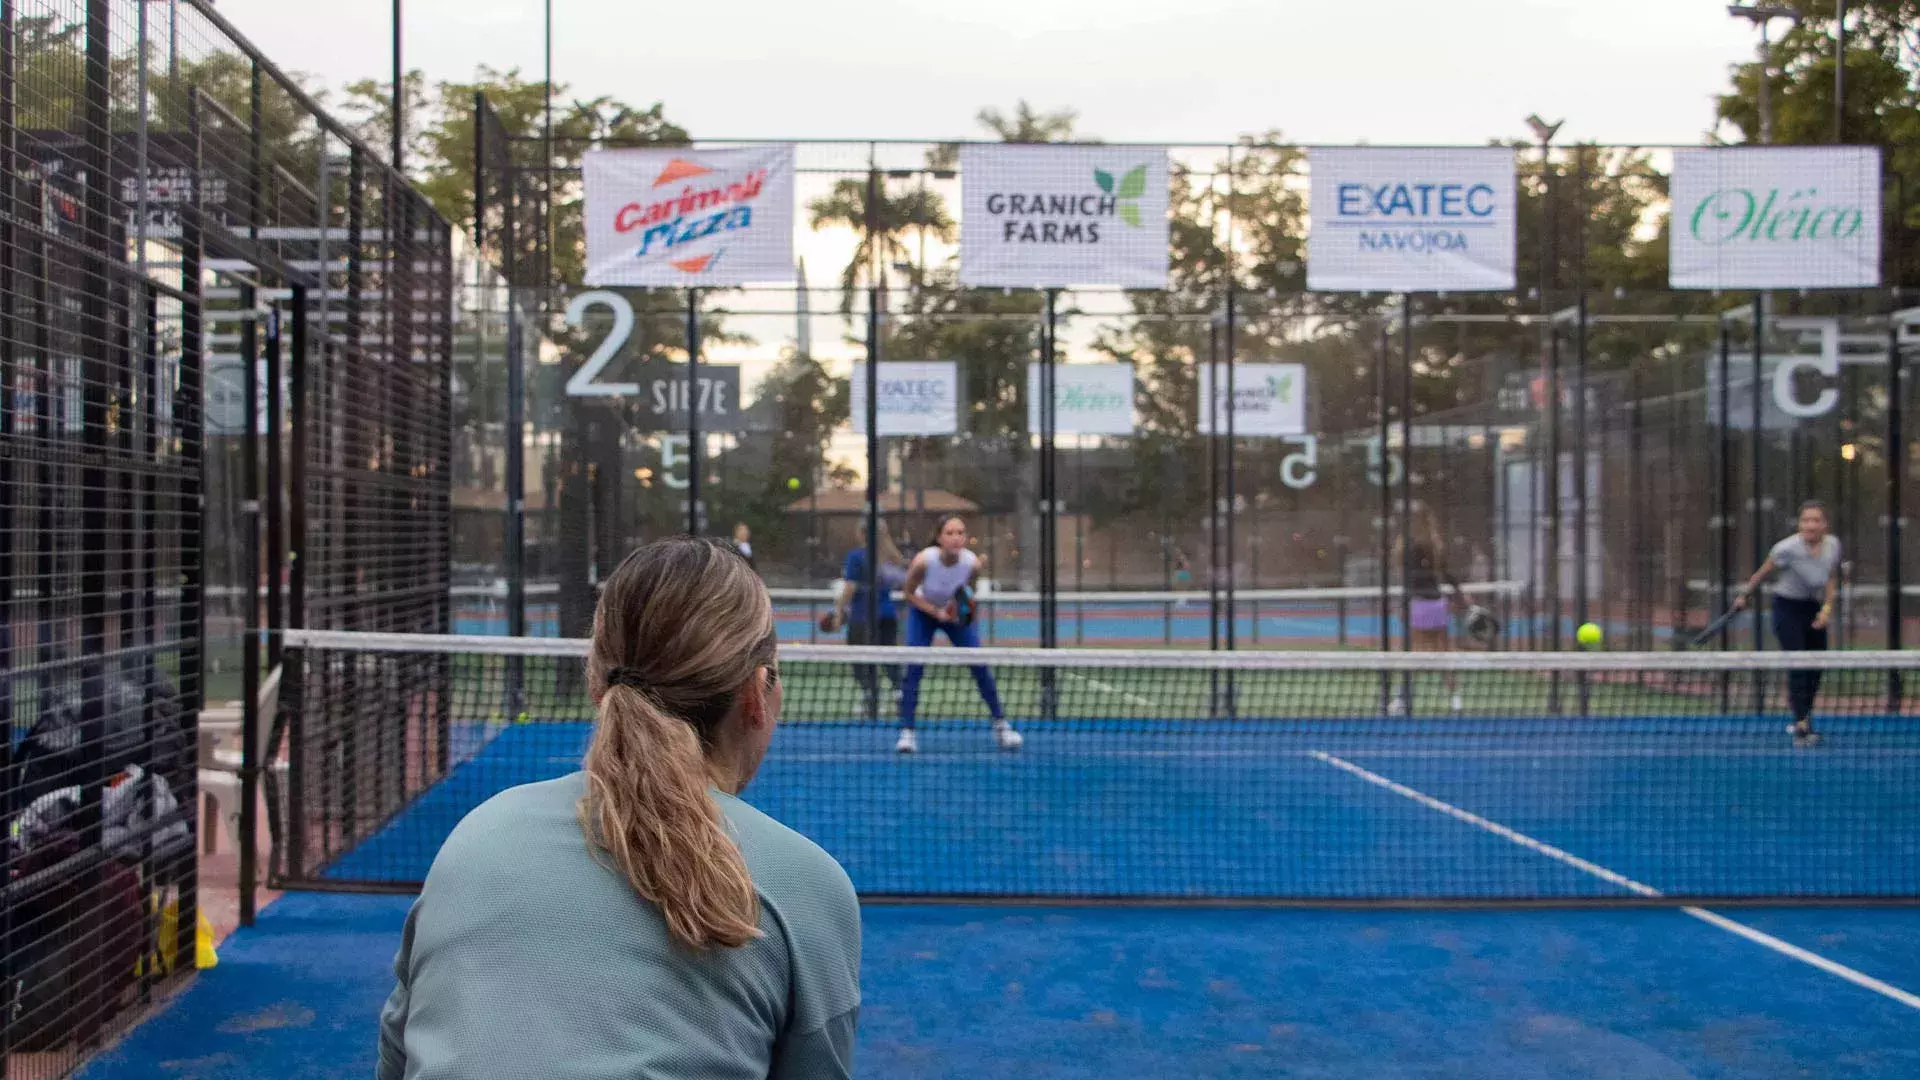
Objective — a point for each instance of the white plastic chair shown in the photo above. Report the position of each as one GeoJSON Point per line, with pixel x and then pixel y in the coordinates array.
{"type": "Point", "coordinates": [220, 761]}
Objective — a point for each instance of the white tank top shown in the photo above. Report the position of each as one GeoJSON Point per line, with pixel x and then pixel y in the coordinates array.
{"type": "Point", "coordinates": [942, 581]}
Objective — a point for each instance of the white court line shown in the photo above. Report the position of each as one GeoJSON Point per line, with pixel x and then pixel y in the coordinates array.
{"type": "Point", "coordinates": [1858, 978]}
{"type": "Point", "coordinates": [1132, 698]}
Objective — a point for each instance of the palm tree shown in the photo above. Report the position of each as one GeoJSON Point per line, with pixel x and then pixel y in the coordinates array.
{"type": "Point", "coordinates": [883, 234]}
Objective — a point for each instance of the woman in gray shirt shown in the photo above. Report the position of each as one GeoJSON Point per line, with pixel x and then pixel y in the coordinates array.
{"type": "Point", "coordinates": [1808, 563]}
{"type": "Point", "coordinates": [636, 919]}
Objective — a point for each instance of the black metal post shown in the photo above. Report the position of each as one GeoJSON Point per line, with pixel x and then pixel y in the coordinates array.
{"type": "Point", "coordinates": [10, 381]}
{"type": "Point", "coordinates": [1230, 502]}
{"type": "Point", "coordinates": [1049, 486]}
{"type": "Point", "coordinates": [696, 456]}
{"type": "Point", "coordinates": [1406, 492]}
{"type": "Point", "coordinates": [1896, 508]}
{"type": "Point", "coordinates": [1212, 405]}
{"type": "Point", "coordinates": [298, 373]}
{"type": "Point", "coordinates": [1383, 553]}
{"type": "Point", "coordinates": [1756, 449]}
{"type": "Point", "coordinates": [275, 502]}
{"type": "Point", "coordinates": [399, 99]}
{"type": "Point", "coordinates": [1582, 600]}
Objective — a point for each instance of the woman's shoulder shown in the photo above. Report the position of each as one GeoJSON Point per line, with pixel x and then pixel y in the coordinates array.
{"type": "Point", "coordinates": [783, 862]}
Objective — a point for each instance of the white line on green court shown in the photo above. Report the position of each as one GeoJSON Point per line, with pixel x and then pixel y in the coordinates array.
{"type": "Point", "coordinates": [1831, 967]}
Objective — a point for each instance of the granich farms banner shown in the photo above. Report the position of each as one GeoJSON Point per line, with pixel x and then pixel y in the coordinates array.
{"type": "Point", "coordinates": [689, 218]}
{"type": "Point", "coordinates": [1039, 217]}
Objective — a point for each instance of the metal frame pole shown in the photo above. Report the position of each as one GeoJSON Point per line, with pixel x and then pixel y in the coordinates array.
{"type": "Point", "coordinates": [696, 455]}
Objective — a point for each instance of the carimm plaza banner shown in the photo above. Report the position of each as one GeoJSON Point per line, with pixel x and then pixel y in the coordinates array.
{"type": "Point", "coordinates": [689, 218]}
{"type": "Point", "coordinates": [1039, 217]}
{"type": "Point", "coordinates": [1410, 220]}
{"type": "Point", "coordinates": [1775, 218]}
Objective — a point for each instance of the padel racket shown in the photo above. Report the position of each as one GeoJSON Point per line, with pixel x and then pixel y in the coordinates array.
{"type": "Point", "coordinates": [963, 606]}
{"type": "Point", "coordinates": [1713, 628]}
{"type": "Point", "coordinates": [1481, 625]}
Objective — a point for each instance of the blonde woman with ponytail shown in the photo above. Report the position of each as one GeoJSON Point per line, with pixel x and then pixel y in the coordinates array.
{"type": "Point", "coordinates": [636, 919]}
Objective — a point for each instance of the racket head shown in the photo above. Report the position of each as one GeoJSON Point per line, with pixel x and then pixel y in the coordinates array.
{"type": "Point", "coordinates": [963, 606]}
{"type": "Point", "coordinates": [1687, 642]}
{"type": "Point", "coordinates": [1481, 625]}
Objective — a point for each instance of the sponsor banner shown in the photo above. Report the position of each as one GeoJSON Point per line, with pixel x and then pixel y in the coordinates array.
{"type": "Point", "coordinates": [1269, 399]}
{"type": "Point", "coordinates": [1394, 220]}
{"type": "Point", "coordinates": [1040, 217]}
{"type": "Point", "coordinates": [689, 218]}
{"type": "Point", "coordinates": [916, 398]}
{"type": "Point", "coordinates": [1775, 218]}
{"type": "Point", "coordinates": [1088, 399]}
{"type": "Point", "coordinates": [661, 392]}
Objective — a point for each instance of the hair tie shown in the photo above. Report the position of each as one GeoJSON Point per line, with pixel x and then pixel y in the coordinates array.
{"type": "Point", "coordinates": [631, 678]}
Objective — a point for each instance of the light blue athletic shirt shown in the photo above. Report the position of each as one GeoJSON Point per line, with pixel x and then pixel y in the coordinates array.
{"type": "Point", "coordinates": [526, 957]}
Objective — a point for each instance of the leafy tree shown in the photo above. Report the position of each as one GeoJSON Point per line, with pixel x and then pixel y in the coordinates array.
{"type": "Point", "coordinates": [1882, 98]}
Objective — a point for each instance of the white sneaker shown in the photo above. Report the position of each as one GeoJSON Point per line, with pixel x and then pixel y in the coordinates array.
{"type": "Point", "coordinates": [908, 743]}
{"type": "Point", "coordinates": [1458, 704]}
{"type": "Point", "coordinates": [1396, 707]}
{"type": "Point", "coordinates": [1008, 738]}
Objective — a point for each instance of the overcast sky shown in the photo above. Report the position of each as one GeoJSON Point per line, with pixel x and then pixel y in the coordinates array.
{"type": "Point", "coordinates": [1382, 71]}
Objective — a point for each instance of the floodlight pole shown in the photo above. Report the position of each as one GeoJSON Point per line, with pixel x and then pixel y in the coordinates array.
{"type": "Point", "coordinates": [1761, 15]}
{"type": "Point", "coordinates": [399, 94]}
{"type": "Point", "coordinates": [1839, 71]}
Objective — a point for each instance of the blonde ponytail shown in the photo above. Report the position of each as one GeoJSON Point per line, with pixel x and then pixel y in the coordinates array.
{"type": "Point", "coordinates": [647, 807]}
{"type": "Point", "coordinates": [681, 626]}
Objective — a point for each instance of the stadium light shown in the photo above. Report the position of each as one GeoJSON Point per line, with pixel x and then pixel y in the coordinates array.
{"type": "Point", "coordinates": [1761, 16]}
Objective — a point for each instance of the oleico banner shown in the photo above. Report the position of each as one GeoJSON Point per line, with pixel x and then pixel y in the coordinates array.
{"type": "Point", "coordinates": [1776, 218]}
{"type": "Point", "coordinates": [1405, 220]}
{"type": "Point", "coordinates": [1039, 217]}
{"type": "Point", "coordinates": [689, 218]}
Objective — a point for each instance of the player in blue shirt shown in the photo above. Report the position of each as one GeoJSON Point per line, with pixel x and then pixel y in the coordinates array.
{"type": "Point", "coordinates": [850, 608]}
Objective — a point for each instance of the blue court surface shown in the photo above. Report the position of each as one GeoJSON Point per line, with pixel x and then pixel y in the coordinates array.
{"type": "Point", "coordinates": [1339, 808]}
{"type": "Point", "coordinates": [1120, 993]}
{"type": "Point", "coordinates": [1332, 808]}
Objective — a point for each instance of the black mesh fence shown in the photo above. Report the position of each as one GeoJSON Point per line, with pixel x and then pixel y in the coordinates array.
{"type": "Point", "coordinates": [224, 357]}
{"type": "Point", "coordinates": [1567, 439]}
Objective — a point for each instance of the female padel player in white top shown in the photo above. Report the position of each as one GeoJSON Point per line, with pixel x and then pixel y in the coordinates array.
{"type": "Point", "coordinates": [939, 591]}
{"type": "Point", "coordinates": [1808, 563]}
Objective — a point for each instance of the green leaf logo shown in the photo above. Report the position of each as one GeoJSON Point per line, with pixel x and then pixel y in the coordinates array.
{"type": "Point", "coordinates": [1281, 388]}
{"type": "Point", "coordinates": [1127, 196]}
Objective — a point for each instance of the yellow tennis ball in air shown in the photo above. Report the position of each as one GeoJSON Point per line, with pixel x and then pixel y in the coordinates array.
{"type": "Point", "coordinates": [1588, 635]}
{"type": "Point", "coordinates": [793, 483]}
